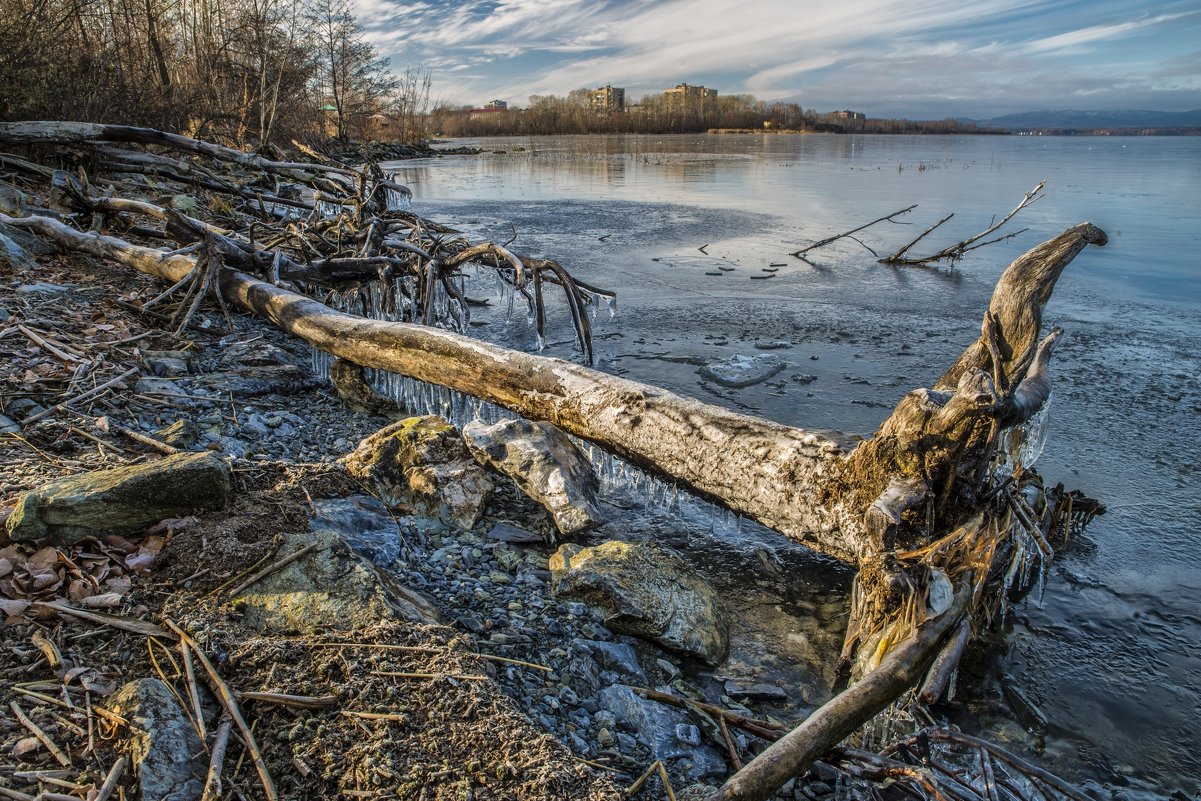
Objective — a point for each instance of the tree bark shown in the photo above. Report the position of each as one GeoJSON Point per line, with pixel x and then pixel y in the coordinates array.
{"type": "Point", "coordinates": [807, 485]}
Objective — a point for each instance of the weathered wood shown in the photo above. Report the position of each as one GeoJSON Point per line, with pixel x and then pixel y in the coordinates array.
{"type": "Point", "coordinates": [800, 483]}
{"type": "Point", "coordinates": [843, 714]}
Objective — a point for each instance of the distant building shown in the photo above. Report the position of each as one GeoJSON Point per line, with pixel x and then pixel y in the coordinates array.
{"type": "Point", "coordinates": [497, 105]}
{"type": "Point", "coordinates": [685, 96]}
{"type": "Point", "coordinates": [848, 119]}
{"type": "Point", "coordinates": [607, 98]}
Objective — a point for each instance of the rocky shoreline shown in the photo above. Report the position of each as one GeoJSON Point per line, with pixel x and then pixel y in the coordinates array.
{"type": "Point", "coordinates": [497, 582]}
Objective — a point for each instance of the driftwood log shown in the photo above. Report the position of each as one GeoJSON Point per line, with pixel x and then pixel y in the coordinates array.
{"type": "Point", "coordinates": [801, 483]}
{"type": "Point", "coordinates": [917, 507]}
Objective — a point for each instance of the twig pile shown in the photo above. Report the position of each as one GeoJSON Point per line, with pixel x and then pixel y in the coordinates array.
{"type": "Point", "coordinates": [312, 226]}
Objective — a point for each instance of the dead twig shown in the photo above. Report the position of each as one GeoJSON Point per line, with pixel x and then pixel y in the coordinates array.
{"type": "Point", "coordinates": [956, 251]}
{"type": "Point", "coordinates": [835, 238]}
{"type": "Point", "coordinates": [226, 696]}
{"type": "Point", "coordinates": [283, 699]}
{"type": "Point", "coordinates": [275, 566]}
{"type": "Point", "coordinates": [212, 782]}
{"type": "Point", "coordinates": [44, 738]}
{"type": "Point", "coordinates": [110, 781]}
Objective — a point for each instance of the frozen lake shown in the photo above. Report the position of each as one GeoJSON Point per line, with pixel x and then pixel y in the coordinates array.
{"type": "Point", "coordinates": [1110, 652]}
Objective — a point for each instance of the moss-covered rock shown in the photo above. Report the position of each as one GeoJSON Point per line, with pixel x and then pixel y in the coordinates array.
{"type": "Point", "coordinates": [648, 592]}
{"type": "Point", "coordinates": [422, 462]}
{"type": "Point", "coordinates": [123, 500]}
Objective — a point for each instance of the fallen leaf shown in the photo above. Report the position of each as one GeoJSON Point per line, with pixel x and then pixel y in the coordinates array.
{"type": "Point", "coordinates": [6, 566]}
{"type": "Point", "coordinates": [42, 559]}
{"type": "Point", "coordinates": [13, 608]}
{"type": "Point", "coordinates": [118, 584]}
{"type": "Point", "coordinates": [26, 745]}
{"type": "Point", "coordinates": [139, 562]}
{"type": "Point", "coordinates": [104, 601]}
{"type": "Point", "coordinates": [119, 543]}
{"type": "Point", "coordinates": [79, 589]}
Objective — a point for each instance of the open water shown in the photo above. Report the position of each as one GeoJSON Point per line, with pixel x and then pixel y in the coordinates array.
{"type": "Point", "coordinates": [679, 225]}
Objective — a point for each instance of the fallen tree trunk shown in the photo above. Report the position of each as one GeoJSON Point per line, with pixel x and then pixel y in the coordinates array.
{"type": "Point", "coordinates": [801, 483]}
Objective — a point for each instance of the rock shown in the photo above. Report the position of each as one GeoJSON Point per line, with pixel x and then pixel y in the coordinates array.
{"type": "Point", "coordinates": [165, 751]}
{"type": "Point", "coordinates": [647, 592]}
{"type": "Point", "coordinates": [13, 255]}
{"type": "Point", "coordinates": [350, 382]}
{"type": "Point", "coordinates": [545, 464]}
{"type": "Point", "coordinates": [330, 589]}
{"type": "Point", "coordinates": [180, 434]}
{"type": "Point", "coordinates": [743, 371]}
{"type": "Point", "coordinates": [123, 500]}
{"type": "Point", "coordinates": [615, 656]}
{"type": "Point", "coordinates": [772, 344]}
{"type": "Point", "coordinates": [506, 532]}
{"type": "Point", "coordinates": [31, 243]}
{"type": "Point", "coordinates": [162, 388]}
{"type": "Point", "coordinates": [656, 727]}
{"type": "Point", "coordinates": [43, 288]}
{"type": "Point", "coordinates": [166, 362]}
{"type": "Point", "coordinates": [364, 523]}
{"type": "Point", "coordinates": [255, 381]}
{"type": "Point", "coordinates": [12, 201]}
{"type": "Point", "coordinates": [422, 462]}
{"type": "Point", "coordinates": [255, 353]}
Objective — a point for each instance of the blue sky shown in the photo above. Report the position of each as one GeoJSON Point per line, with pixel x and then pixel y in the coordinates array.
{"type": "Point", "coordinates": [918, 58]}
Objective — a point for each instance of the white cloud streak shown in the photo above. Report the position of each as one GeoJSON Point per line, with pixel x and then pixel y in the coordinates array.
{"type": "Point", "coordinates": [879, 50]}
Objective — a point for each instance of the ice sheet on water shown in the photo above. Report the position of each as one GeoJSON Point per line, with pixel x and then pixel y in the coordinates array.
{"type": "Point", "coordinates": [743, 371]}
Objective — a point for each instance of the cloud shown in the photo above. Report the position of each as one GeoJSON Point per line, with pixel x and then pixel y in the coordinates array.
{"type": "Point", "coordinates": [1097, 33]}
{"type": "Point", "coordinates": [932, 54]}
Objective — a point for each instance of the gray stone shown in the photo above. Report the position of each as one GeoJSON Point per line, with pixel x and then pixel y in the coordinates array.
{"type": "Point", "coordinates": [166, 362]}
{"type": "Point", "coordinates": [43, 288]}
{"type": "Point", "coordinates": [364, 523]}
{"type": "Point", "coordinates": [13, 255]}
{"type": "Point", "coordinates": [330, 589]}
{"type": "Point", "coordinates": [743, 371]}
{"type": "Point", "coordinates": [688, 734]}
{"type": "Point", "coordinates": [615, 656]}
{"type": "Point", "coordinates": [545, 464]}
{"type": "Point", "coordinates": [422, 462]}
{"type": "Point", "coordinates": [506, 532]}
{"type": "Point", "coordinates": [123, 500]}
{"type": "Point", "coordinates": [166, 752]}
{"type": "Point", "coordinates": [162, 387]}
{"type": "Point", "coordinates": [647, 592]}
{"type": "Point", "coordinates": [655, 727]}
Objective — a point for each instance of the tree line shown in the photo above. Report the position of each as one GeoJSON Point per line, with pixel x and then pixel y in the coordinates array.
{"type": "Point", "coordinates": [661, 113]}
{"type": "Point", "coordinates": [249, 72]}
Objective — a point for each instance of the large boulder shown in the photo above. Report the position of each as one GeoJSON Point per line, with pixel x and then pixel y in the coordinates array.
{"type": "Point", "coordinates": [648, 592]}
{"type": "Point", "coordinates": [545, 464]}
{"type": "Point", "coordinates": [165, 751]}
{"type": "Point", "coordinates": [123, 500]}
{"type": "Point", "coordinates": [332, 588]}
{"type": "Point", "coordinates": [422, 462]}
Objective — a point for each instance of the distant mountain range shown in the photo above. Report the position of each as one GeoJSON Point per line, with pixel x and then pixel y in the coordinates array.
{"type": "Point", "coordinates": [1032, 120]}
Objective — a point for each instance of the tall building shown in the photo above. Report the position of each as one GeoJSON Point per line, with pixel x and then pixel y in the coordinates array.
{"type": "Point", "coordinates": [607, 98]}
{"type": "Point", "coordinates": [685, 96]}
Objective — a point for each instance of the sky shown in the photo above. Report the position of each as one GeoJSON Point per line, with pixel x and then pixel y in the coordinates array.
{"type": "Point", "coordinates": [922, 59]}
